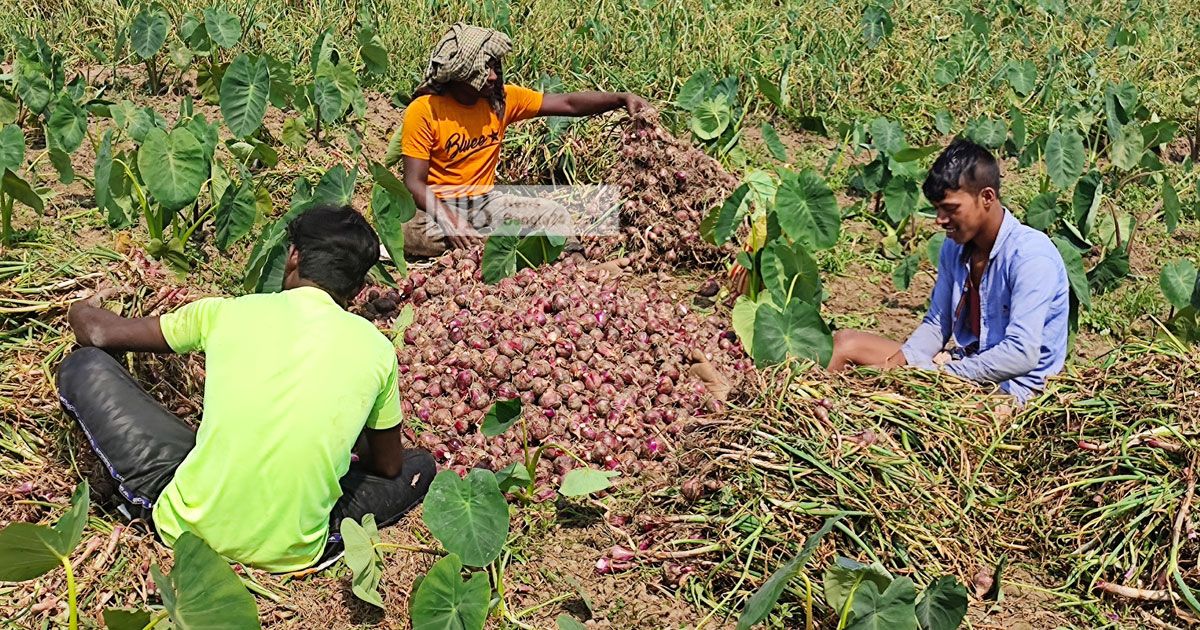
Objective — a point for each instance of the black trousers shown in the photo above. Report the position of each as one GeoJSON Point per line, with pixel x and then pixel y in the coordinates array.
{"type": "Point", "coordinates": [142, 444]}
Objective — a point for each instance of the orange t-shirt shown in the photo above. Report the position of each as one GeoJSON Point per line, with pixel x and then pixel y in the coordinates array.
{"type": "Point", "coordinates": [462, 143]}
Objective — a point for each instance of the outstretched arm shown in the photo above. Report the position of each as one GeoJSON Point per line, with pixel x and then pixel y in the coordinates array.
{"type": "Point", "coordinates": [590, 103]}
{"type": "Point", "coordinates": [101, 328]}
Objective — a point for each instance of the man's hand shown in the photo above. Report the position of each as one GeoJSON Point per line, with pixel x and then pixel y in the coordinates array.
{"type": "Point", "coordinates": [635, 104]}
{"type": "Point", "coordinates": [98, 327]}
{"type": "Point", "coordinates": [459, 233]}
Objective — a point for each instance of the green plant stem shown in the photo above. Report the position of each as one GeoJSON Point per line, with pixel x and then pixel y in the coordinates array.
{"type": "Point", "coordinates": [395, 547]}
{"type": "Point", "coordinates": [6, 206]}
{"type": "Point", "coordinates": [156, 619]}
{"type": "Point", "coordinates": [72, 607]}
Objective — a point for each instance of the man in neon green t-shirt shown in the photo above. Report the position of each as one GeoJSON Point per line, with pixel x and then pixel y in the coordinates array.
{"type": "Point", "coordinates": [292, 381]}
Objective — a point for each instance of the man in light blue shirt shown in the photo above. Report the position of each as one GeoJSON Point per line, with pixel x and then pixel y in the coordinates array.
{"type": "Point", "coordinates": [1001, 291]}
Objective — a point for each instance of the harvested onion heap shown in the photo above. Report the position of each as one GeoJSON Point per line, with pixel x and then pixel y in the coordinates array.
{"type": "Point", "coordinates": [668, 187]}
{"type": "Point", "coordinates": [602, 369]}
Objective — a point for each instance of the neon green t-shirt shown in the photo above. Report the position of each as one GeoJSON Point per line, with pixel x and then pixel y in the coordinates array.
{"type": "Point", "coordinates": [292, 379]}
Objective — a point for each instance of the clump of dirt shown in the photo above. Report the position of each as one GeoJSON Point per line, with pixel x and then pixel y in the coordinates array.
{"type": "Point", "coordinates": [668, 186]}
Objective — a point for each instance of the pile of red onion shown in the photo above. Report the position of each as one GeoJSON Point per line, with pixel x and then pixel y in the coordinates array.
{"type": "Point", "coordinates": [602, 368]}
{"type": "Point", "coordinates": [668, 186]}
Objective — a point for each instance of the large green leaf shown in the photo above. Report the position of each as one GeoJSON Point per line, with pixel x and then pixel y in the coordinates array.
{"type": "Point", "coordinates": [390, 211]}
{"type": "Point", "coordinates": [1017, 128]}
{"type": "Point", "coordinates": [19, 189]}
{"type": "Point", "coordinates": [807, 210]}
{"type": "Point", "coordinates": [729, 215]}
{"type": "Point", "coordinates": [363, 558]}
{"type": "Point", "coordinates": [790, 272]}
{"type": "Point", "coordinates": [583, 481]}
{"type": "Point", "coordinates": [173, 166]}
{"type": "Point", "coordinates": [876, 24]}
{"type": "Point", "coordinates": [1109, 272]}
{"type": "Point", "coordinates": [67, 125]}
{"type": "Point", "coordinates": [194, 33]}
{"type": "Point", "coordinates": [1064, 157]}
{"type": "Point", "coordinates": [567, 622]}
{"type": "Point", "coordinates": [774, 143]}
{"type": "Point", "coordinates": [1172, 210]}
{"type": "Point", "coordinates": [943, 605]}
{"type": "Point", "coordinates": [900, 198]}
{"type": "Point", "coordinates": [12, 148]}
{"type": "Point", "coordinates": [61, 161]}
{"type": "Point", "coordinates": [32, 85]}
{"type": "Point", "coordinates": [1076, 275]}
{"type": "Point", "coordinates": [694, 89]}
{"type": "Point", "coordinates": [70, 526]}
{"type": "Point", "coordinates": [988, 132]}
{"type": "Point", "coordinates": [444, 601]}
{"type": "Point", "coordinates": [245, 89]}
{"type": "Point", "coordinates": [744, 311]}
{"type": "Point", "coordinates": [1127, 148]}
{"type": "Point", "coordinates": [933, 248]}
{"type": "Point", "coordinates": [905, 271]}
{"type": "Point", "coordinates": [502, 415]}
{"type": "Point", "coordinates": [796, 330]}
{"type": "Point", "coordinates": [1043, 211]}
{"type": "Point", "coordinates": [336, 187]}
{"type": "Point", "coordinates": [223, 27]}
{"type": "Point", "coordinates": [1022, 76]}
{"type": "Point", "coordinates": [499, 260]}
{"type": "Point", "coordinates": [710, 119]}
{"type": "Point", "coordinates": [891, 610]}
{"type": "Point", "coordinates": [110, 184]}
{"type": "Point", "coordinates": [27, 551]}
{"type": "Point", "coordinates": [514, 475]}
{"type": "Point", "coordinates": [372, 51]}
{"type": "Point", "coordinates": [887, 136]}
{"type": "Point", "coordinates": [1089, 192]}
{"type": "Point", "coordinates": [119, 619]}
{"type": "Point", "coordinates": [328, 99]}
{"type": "Point", "coordinates": [1178, 280]}
{"type": "Point", "coordinates": [763, 600]}
{"type": "Point", "coordinates": [148, 32]}
{"type": "Point", "coordinates": [469, 516]}
{"type": "Point", "coordinates": [236, 213]}
{"type": "Point", "coordinates": [202, 592]}
{"type": "Point", "coordinates": [844, 577]}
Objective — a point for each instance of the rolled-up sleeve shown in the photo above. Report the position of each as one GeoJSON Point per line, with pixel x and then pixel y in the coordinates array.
{"type": "Point", "coordinates": [1019, 351]}
{"type": "Point", "coordinates": [930, 337]}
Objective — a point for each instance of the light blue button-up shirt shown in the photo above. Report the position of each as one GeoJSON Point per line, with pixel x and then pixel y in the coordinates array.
{"type": "Point", "coordinates": [1023, 305]}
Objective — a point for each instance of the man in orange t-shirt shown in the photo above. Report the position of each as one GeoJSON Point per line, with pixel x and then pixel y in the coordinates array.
{"type": "Point", "coordinates": [451, 138]}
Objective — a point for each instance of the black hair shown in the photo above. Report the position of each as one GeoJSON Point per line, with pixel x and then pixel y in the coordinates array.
{"type": "Point", "coordinates": [964, 165]}
{"type": "Point", "coordinates": [337, 248]}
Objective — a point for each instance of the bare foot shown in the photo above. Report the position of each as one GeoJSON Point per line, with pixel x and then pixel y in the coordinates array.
{"type": "Point", "coordinates": [713, 380]}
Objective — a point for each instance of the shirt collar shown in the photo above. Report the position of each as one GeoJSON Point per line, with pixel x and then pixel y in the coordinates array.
{"type": "Point", "coordinates": [1007, 226]}
{"type": "Point", "coordinates": [315, 294]}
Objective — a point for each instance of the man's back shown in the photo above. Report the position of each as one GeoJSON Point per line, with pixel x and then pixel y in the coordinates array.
{"type": "Point", "coordinates": [292, 379]}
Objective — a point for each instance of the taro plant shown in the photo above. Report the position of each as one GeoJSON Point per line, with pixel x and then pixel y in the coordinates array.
{"type": "Point", "coordinates": [147, 37]}
{"type": "Point", "coordinates": [789, 218]}
{"type": "Point", "coordinates": [1180, 285]}
{"type": "Point", "coordinates": [714, 112]}
{"type": "Point", "coordinates": [29, 551]}
{"type": "Point", "coordinates": [333, 88]}
{"type": "Point", "coordinates": [1090, 225]}
{"type": "Point", "coordinates": [201, 591]}
{"type": "Point", "coordinates": [12, 187]}
{"type": "Point", "coordinates": [862, 596]}
{"type": "Point", "coordinates": [470, 517]}
{"type": "Point", "coordinates": [892, 181]}
{"type": "Point", "coordinates": [159, 179]}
